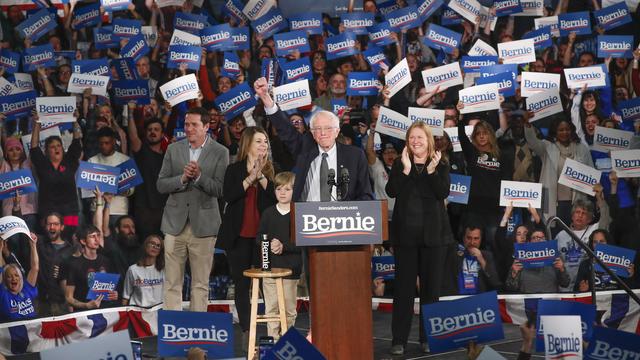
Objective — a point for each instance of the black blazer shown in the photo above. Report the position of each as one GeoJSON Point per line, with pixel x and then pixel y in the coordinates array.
{"type": "Point", "coordinates": [306, 148]}
{"type": "Point", "coordinates": [433, 189]}
{"type": "Point", "coordinates": [234, 195]}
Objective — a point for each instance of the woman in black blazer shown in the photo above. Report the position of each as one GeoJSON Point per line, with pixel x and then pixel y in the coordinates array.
{"type": "Point", "coordinates": [419, 181]}
{"type": "Point", "coordinates": [248, 190]}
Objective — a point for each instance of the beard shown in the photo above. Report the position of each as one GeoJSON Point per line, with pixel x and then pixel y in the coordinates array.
{"type": "Point", "coordinates": [128, 241]}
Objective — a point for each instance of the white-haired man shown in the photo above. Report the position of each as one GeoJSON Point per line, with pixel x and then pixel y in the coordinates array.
{"type": "Point", "coordinates": [319, 153]}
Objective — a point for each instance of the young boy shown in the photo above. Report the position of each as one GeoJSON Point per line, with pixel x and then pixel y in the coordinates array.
{"type": "Point", "coordinates": [284, 254]}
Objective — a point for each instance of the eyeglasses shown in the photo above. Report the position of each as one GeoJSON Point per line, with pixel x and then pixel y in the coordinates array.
{"type": "Point", "coordinates": [155, 246]}
{"type": "Point", "coordinates": [323, 129]}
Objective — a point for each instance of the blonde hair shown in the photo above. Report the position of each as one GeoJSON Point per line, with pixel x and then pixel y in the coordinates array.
{"type": "Point", "coordinates": [5, 273]}
{"type": "Point", "coordinates": [284, 178]}
{"type": "Point", "coordinates": [245, 144]}
{"type": "Point", "coordinates": [431, 145]}
{"type": "Point", "coordinates": [493, 142]}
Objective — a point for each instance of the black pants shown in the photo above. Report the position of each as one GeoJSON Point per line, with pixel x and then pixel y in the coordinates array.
{"type": "Point", "coordinates": [411, 263]}
{"type": "Point", "coordinates": [242, 257]}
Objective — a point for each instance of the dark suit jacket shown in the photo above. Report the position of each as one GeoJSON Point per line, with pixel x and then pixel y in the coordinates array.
{"type": "Point", "coordinates": [234, 195]}
{"type": "Point", "coordinates": [306, 148]}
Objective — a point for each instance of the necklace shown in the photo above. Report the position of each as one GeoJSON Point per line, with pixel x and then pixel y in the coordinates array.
{"type": "Point", "coordinates": [419, 168]}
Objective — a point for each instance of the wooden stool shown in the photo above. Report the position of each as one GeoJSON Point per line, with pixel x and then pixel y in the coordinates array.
{"type": "Point", "coordinates": [256, 275]}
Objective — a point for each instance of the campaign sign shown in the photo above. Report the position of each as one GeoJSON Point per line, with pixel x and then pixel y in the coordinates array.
{"type": "Point", "coordinates": [115, 346]}
{"type": "Point", "coordinates": [517, 52]}
{"type": "Point", "coordinates": [56, 109]}
{"type": "Point", "coordinates": [37, 25]}
{"type": "Point", "coordinates": [38, 56]}
{"type": "Point", "coordinates": [531, 8]}
{"type": "Point", "coordinates": [363, 84]}
{"type": "Point", "coordinates": [459, 188]}
{"type": "Point", "coordinates": [180, 37]}
{"type": "Point", "coordinates": [453, 136]}
{"type": "Point", "coordinates": [606, 139]}
{"type": "Point", "coordinates": [392, 123]}
{"type": "Point", "coordinates": [103, 38]}
{"type": "Point", "coordinates": [593, 76]}
{"type": "Point", "coordinates": [587, 313]}
{"type": "Point", "coordinates": [91, 67]}
{"type": "Point", "coordinates": [217, 37]}
{"type": "Point", "coordinates": [184, 54]}
{"type": "Point", "coordinates": [102, 284]}
{"type": "Point", "coordinates": [481, 48]}
{"type": "Point", "coordinates": [479, 98]}
{"type": "Point", "coordinates": [433, 118]}
{"type": "Point", "coordinates": [520, 194]}
{"type": "Point", "coordinates": [115, 5]}
{"type": "Point", "coordinates": [179, 134]}
{"type": "Point", "coordinates": [536, 254]}
{"type": "Point", "coordinates": [506, 84]}
{"type": "Point", "coordinates": [616, 258]}
{"type": "Point", "coordinates": [256, 8]}
{"type": "Point", "coordinates": [380, 34]}
{"type": "Point", "coordinates": [178, 331]}
{"type": "Point", "coordinates": [468, 9]}
{"type": "Point", "coordinates": [388, 6]}
{"type": "Point", "coordinates": [129, 176]}
{"type": "Point", "coordinates": [626, 163]}
{"type": "Point", "coordinates": [234, 9]}
{"type": "Point", "coordinates": [441, 38]}
{"type": "Point", "coordinates": [18, 105]}
{"type": "Point", "coordinates": [270, 23]}
{"type": "Point", "coordinates": [191, 23]}
{"type": "Point", "coordinates": [270, 71]}
{"type": "Point", "coordinates": [293, 346]}
{"type": "Point", "coordinates": [357, 22]}
{"type": "Point", "coordinates": [230, 65]}
{"type": "Point", "coordinates": [292, 95]}
{"type": "Point", "coordinates": [150, 34]}
{"type": "Point", "coordinates": [341, 45]}
{"type": "Point", "coordinates": [452, 324]}
{"type": "Point", "coordinates": [426, 8]}
{"type": "Point", "coordinates": [615, 46]}
{"type": "Point", "coordinates": [630, 109]}
{"type": "Point", "coordinates": [6, 88]}
{"type": "Point", "coordinates": [90, 175]}
{"type": "Point", "coordinates": [383, 267]}
{"type": "Point", "coordinates": [286, 43]}
{"type": "Point", "coordinates": [297, 70]}
{"type": "Point", "coordinates": [609, 343]}
{"type": "Point", "coordinates": [23, 82]}
{"type": "Point", "coordinates": [398, 77]}
{"type": "Point", "coordinates": [180, 89]}
{"type": "Point", "coordinates": [376, 58]}
{"type": "Point", "coordinates": [126, 68]}
{"type": "Point", "coordinates": [240, 39]}
{"type": "Point", "coordinates": [579, 176]}
{"type": "Point", "coordinates": [562, 338]}
{"type": "Point", "coordinates": [136, 48]}
{"type": "Point", "coordinates": [472, 64]}
{"type": "Point", "coordinates": [550, 21]}
{"type": "Point", "coordinates": [17, 182]}
{"type": "Point", "coordinates": [541, 37]}
{"type": "Point", "coordinates": [125, 91]}
{"type": "Point", "coordinates": [611, 17]}
{"type": "Point", "coordinates": [507, 7]}
{"type": "Point", "coordinates": [86, 16]}
{"type": "Point", "coordinates": [338, 105]}
{"type": "Point", "coordinates": [125, 28]}
{"type": "Point", "coordinates": [79, 82]}
{"type": "Point", "coordinates": [534, 83]}
{"type": "Point", "coordinates": [578, 22]}
{"type": "Point", "coordinates": [404, 19]}
{"type": "Point", "coordinates": [544, 104]}
{"type": "Point", "coordinates": [311, 22]}
{"type": "Point", "coordinates": [444, 77]}
{"type": "Point", "coordinates": [235, 101]}
{"type": "Point", "coordinates": [450, 17]}
{"type": "Point", "coordinates": [9, 61]}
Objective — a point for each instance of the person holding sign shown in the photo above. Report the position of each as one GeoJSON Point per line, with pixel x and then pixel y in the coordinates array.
{"type": "Point", "coordinates": [17, 297]}
{"type": "Point", "coordinates": [419, 181]}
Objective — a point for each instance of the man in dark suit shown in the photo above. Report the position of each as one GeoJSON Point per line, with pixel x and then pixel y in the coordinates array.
{"type": "Point", "coordinates": [312, 165]}
{"type": "Point", "coordinates": [192, 174]}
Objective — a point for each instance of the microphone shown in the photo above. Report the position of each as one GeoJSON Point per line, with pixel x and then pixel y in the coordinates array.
{"type": "Point", "coordinates": [331, 178]}
{"type": "Point", "coordinates": [344, 182]}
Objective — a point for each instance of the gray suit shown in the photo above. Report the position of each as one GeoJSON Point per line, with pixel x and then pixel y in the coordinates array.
{"type": "Point", "coordinates": [196, 202]}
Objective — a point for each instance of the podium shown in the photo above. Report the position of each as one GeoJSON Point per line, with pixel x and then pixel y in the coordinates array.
{"type": "Point", "coordinates": [338, 237]}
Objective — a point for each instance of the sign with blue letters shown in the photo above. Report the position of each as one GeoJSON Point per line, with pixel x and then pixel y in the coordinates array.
{"type": "Point", "coordinates": [341, 45]}
{"type": "Point", "coordinates": [292, 346]}
{"type": "Point", "coordinates": [506, 85]}
{"type": "Point", "coordinates": [507, 7]}
{"type": "Point", "coordinates": [37, 25]}
{"type": "Point", "coordinates": [453, 324]}
{"type": "Point", "coordinates": [297, 70]}
{"type": "Point", "coordinates": [380, 34]}
{"type": "Point", "coordinates": [362, 84]}
{"type": "Point", "coordinates": [216, 37]}
{"type": "Point", "coordinates": [288, 42]}
{"type": "Point", "coordinates": [191, 23]}
{"type": "Point", "coordinates": [536, 254]}
{"type": "Point", "coordinates": [38, 56]}
{"type": "Point", "coordinates": [17, 182]}
{"type": "Point", "coordinates": [18, 105]}
{"type": "Point", "coordinates": [578, 22]}
{"type": "Point", "coordinates": [611, 17]}
{"type": "Point", "coordinates": [383, 267]}
{"type": "Point", "coordinates": [472, 64]}
{"type": "Point", "coordinates": [90, 175]}
{"type": "Point", "coordinates": [102, 284]}
{"type": "Point", "coordinates": [311, 22]}
{"type": "Point", "coordinates": [86, 16]}
{"type": "Point", "coordinates": [126, 68]}
{"type": "Point", "coordinates": [129, 177]}
{"type": "Point", "coordinates": [615, 46]}
{"type": "Point", "coordinates": [541, 37]}
{"type": "Point", "coordinates": [178, 331]}
{"type": "Point", "coordinates": [235, 101]}
{"type": "Point", "coordinates": [459, 188]}
{"type": "Point", "coordinates": [357, 22]}
{"type": "Point", "coordinates": [618, 259]}
{"type": "Point", "coordinates": [125, 91]}
{"type": "Point", "coordinates": [441, 38]}
{"type": "Point", "coordinates": [587, 313]}
{"type": "Point", "coordinates": [404, 19]}
{"type": "Point", "coordinates": [136, 48]}
{"type": "Point", "coordinates": [125, 28]}
{"type": "Point", "coordinates": [91, 67]}
{"type": "Point", "coordinates": [9, 61]}
{"type": "Point", "coordinates": [184, 54]}
{"type": "Point", "coordinates": [609, 343]}
{"type": "Point", "coordinates": [270, 23]}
